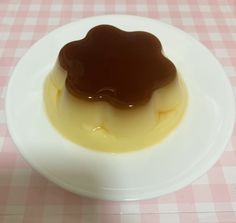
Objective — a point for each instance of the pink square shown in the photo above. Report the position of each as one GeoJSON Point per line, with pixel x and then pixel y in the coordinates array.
{"type": "Point", "coordinates": [216, 175]}
{"type": "Point", "coordinates": [37, 180]}
{"type": "Point", "coordinates": [70, 198]}
{"type": "Point", "coordinates": [3, 80]}
{"type": "Point", "coordinates": [167, 199]}
{"type": "Point", "coordinates": [5, 176]}
{"type": "Point", "coordinates": [220, 193]}
{"type": "Point", "coordinates": [150, 201]}
{"type": "Point", "coordinates": [202, 193]}
{"type": "Point", "coordinates": [188, 217]}
{"type": "Point", "coordinates": [186, 207]}
{"type": "Point", "coordinates": [228, 158]}
{"type": "Point", "coordinates": [3, 129]}
{"type": "Point", "coordinates": [5, 62]}
{"type": "Point", "coordinates": [233, 82]}
{"type": "Point", "coordinates": [36, 196]}
{"type": "Point", "coordinates": [7, 160]}
{"type": "Point", "coordinates": [17, 195]}
{"type": "Point", "coordinates": [21, 163]}
{"type": "Point", "coordinates": [4, 193]}
{"type": "Point", "coordinates": [148, 208]}
{"type": "Point", "coordinates": [54, 195]}
{"type": "Point", "coordinates": [185, 195]}
{"type": "Point", "coordinates": [9, 149]}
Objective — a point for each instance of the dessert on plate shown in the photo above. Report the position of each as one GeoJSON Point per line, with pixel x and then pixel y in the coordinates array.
{"type": "Point", "coordinates": [114, 91]}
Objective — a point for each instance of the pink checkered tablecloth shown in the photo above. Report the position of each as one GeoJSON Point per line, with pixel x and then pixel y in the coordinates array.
{"type": "Point", "coordinates": [26, 196]}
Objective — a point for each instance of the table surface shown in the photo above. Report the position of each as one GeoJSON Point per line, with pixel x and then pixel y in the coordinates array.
{"type": "Point", "coordinates": [26, 196]}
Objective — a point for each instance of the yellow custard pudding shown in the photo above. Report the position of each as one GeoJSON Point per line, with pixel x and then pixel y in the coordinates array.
{"type": "Point", "coordinates": [114, 91]}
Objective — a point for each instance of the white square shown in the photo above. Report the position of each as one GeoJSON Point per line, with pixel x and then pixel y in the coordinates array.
{"type": "Point", "coordinates": [26, 36]}
{"type": "Point", "coordinates": [130, 209]}
{"type": "Point", "coordinates": [120, 8]}
{"type": "Point", "coordinates": [30, 21]}
{"type": "Point", "coordinates": [184, 8]}
{"type": "Point", "coordinates": [34, 7]}
{"type": "Point", "coordinates": [210, 21]}
{"type": "Point", "coordinates": [223, 206]}
{"type": "Point", "coordinates": [99, 8]}
{"type": "Point", "coordinates": [196, 35]}
{"type": "Point", "coordinates": [215, 36]}
{"type": "Point", "coordinates": [1, 143]}
{"type": "Point", "coordinates": [169, 218]}
{"type": "Point", "coordinates": [3, 92]}
{"type": "Point", "coordinates": [230, 174]}
{"type": "Point", "coordinates": [2, 116]}
{"type": "Point", "coordinates": [78, 7]}
{"type": "Point", "coordinates": [234, 91]}
{"type": "Point", "coordinates": [53, 21]}
{"type": "Point", "coordinates": [55, 7]}
{"type": "Point", "coordinates": [164, 8]}
{"type": "Point", "coordinates": [207, 217]}
{"type": "Point", "coordinates": [225, 8]}
{"type": "Point", "coordinates": [230, 21]}
{"type": "Point", "coordinates": [188, 22]}
{"type": "Point", "coordinates": [166, 19]}
{"type": "Point", "coordinates": [167, 208]}
{"type": "Point", "coordinates": [234, 206]}
{"type": "Point", "coordinates": [135, 218]}
{"type": "Point", "coordinates": [19, 52]}
{"type": "Point", "coordinates": [150, 208]}
{"type": "Point", "coordinates": [141, 7]}
{"type": "Point", "coordinates": [205, 8]}
{"type": "Point", "coordinates": [8, 20]}
{"type": "Point", "coordinates": [234, 36]}
{"type": "Point", "coordinates": [4, 36]}
{"type": "Point", "coordinates": [15, 209]}
{"type": "Point", "coordinates": [204, 207]}
{"type": "Point", "coordinates": [229, 147]}
{"type": "Point", "coordinates": [13, 7]}
{"type": "Point", "coordinates": [20, 177]}
{"type": "Point", "coordinates": [53, 218]}
{"type": "Point", "coordinates": [221, 53]}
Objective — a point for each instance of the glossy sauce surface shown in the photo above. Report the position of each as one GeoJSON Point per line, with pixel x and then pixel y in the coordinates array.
{"type": "Point", "coordinates": [115, 66]}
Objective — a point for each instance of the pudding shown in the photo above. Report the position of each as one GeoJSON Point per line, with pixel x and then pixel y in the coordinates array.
{"type": "Point", "coordinates": [114, 91]}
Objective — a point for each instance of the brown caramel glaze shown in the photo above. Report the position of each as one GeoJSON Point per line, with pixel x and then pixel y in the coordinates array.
{"type": "Point", "coordinates": [119, 67]}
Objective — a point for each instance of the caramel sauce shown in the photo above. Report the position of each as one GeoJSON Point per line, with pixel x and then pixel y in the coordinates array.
{"type": "Point", "coordinates": [119, 67]}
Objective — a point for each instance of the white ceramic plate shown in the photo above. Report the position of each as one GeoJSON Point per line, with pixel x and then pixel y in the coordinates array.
{"type": "Point", "coordinates": [182, 157]}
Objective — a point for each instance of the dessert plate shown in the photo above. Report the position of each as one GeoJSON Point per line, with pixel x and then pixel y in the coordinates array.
{"type": "Point", "coordinates": [187, 153]}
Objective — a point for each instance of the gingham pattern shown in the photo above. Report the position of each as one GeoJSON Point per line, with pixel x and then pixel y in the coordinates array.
{"type": "Point", "coordinates": [25, 196]}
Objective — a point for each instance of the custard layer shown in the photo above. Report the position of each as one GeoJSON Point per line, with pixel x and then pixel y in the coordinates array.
{"type": "Point", "coordinates": [102, 127]}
